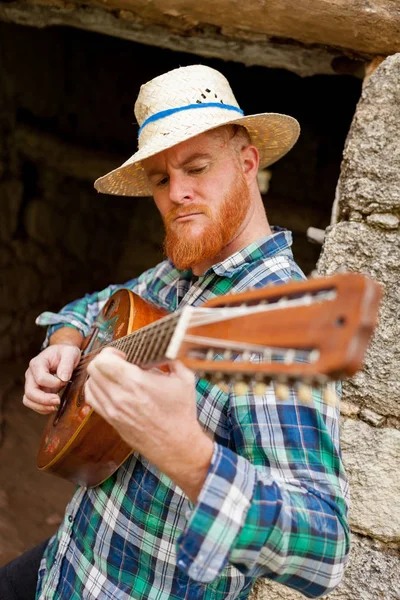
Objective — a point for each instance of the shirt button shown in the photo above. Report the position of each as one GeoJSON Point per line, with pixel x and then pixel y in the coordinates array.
{"type": "Point", "coordinates": [70, 518]}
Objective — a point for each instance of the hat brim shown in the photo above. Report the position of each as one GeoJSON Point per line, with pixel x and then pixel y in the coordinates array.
{"type": "Point", "coordinates": [273, 135]}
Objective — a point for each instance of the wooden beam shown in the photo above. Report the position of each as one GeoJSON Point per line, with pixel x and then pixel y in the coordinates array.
{"type": "Point", "coordinates": [176, 25]}
{"type": "Point", "coordinates": [371, 26]}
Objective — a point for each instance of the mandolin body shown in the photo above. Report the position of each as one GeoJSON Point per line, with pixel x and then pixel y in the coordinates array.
{"type": "Point", "coordinates": [302, 333]}
{"type": "Point", "coordinates": [77, 444]}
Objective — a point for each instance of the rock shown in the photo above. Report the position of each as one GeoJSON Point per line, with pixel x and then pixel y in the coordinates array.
{"type": "Point", "coordinates": [348, 409]}
{"type": "Point", "coordinates": [372, 460]}
{"type": "Point", "coordinates": [372, 417]}
{"type": "Point", "coordinates": [361, 248]}
{"type": "Point", "coordinates": [369, 179]}
{"type": "Point", "coordinates": [384, 220]}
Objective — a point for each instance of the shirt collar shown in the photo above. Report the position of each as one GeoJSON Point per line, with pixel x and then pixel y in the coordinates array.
{"type": "Point", "coordinates": [280, 239]}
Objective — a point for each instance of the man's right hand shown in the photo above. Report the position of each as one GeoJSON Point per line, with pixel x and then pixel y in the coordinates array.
{"type": "Point", "coordinates": [50, 371]}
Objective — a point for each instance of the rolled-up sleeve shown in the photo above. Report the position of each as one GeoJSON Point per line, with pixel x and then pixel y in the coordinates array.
{"type": "Point", "coordinates": [82, 313]}
{"type": "Point", "coordinates": [275, 504]}
{"type": "Point", "coordinates": [79, 314]}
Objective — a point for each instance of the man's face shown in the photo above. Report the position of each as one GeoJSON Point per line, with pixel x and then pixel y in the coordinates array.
{"type": "Point", "coordinates": [202, 195]}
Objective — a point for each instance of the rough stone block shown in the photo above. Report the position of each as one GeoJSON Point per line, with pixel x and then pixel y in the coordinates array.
{"type": "Point", "coordinates": [372, 459]}
{"type": "Point", "coordinates": [369, 180]}
{"type": "Point", "coordinates": [362, 248]}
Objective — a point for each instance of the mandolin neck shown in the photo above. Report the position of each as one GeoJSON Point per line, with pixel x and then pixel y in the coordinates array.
{"type": "Point", "coordinates": [148, 346]}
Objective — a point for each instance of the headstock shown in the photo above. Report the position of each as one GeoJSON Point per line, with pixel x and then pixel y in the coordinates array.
{"type": "Point", "coordinates": [303, 332]}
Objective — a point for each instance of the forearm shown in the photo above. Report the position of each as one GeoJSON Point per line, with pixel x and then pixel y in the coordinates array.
{"type": "Point", "coordinates": [66, 335]}
{"type": "Point", "coordinates": [189, 465]}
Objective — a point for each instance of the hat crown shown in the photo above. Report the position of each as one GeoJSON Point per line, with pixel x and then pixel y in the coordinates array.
{"type": "Point", "coordinates": [196, 84]}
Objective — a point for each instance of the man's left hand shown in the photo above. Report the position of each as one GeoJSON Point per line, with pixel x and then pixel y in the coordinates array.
{"type": "Point", "coordinates": [155, 413]}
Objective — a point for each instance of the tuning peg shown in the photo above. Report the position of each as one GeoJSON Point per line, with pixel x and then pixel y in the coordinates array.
{"type": "Point", "coordinates": [304, 393]}
{"type": "Point", "coordinates": [313, 356]}
{"type": "Point", "coordinates": [259, 388]}
{"type": "Point", "coordinates": [330, 396]}
{"type": "Point", "coordinates": [267, 354]}
{"type": "Point", "coordinates": [281, 391]}
{"type": "Point", "coordinates": [240, 388]}
{"type": "Point", "coordinates": [289, 356]}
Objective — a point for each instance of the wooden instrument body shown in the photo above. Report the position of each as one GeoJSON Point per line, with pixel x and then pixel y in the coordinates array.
{"type": "Point", "coordinates": [77, 444]}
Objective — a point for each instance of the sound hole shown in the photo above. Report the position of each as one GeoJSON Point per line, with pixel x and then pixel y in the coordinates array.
{"type": "Point", "coordinates": [81, 396]}
{"type": "Point", "coordinates": [63, 403]}
{"type": "Point", "coordinates": [111, 308]}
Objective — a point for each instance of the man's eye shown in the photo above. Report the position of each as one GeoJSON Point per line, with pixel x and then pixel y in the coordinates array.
{"type": "Point", "coordinates": [196, 171]}
{"type": "Point", "coordinates": [162, 182]}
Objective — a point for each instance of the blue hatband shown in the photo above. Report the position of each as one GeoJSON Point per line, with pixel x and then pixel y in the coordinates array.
{"type": "Point", "coordinates": [171, 111]}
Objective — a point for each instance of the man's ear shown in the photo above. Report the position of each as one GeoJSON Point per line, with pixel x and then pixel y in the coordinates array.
{"type": "Point", "coordinates": [250, 162]}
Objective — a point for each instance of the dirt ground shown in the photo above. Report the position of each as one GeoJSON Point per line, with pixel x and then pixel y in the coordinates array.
{"type": "Point", "coordinates": [31, 502]}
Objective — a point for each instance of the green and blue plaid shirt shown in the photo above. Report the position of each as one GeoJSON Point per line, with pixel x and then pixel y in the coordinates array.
{"type": "Point", "coordinates": [274, 503]}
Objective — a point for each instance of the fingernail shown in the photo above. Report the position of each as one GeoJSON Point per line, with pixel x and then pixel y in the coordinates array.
{"type": "Point", "coordinates": [64, 376]}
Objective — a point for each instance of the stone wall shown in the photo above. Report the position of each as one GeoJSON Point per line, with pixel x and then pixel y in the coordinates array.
{"type": "Point", "coordinates": [365, 237]}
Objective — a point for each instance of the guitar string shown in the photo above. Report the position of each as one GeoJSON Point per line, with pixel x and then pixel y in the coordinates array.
{"type": "Point", "coordinates": [201, 317]}
{"type": "Point", "coordinates": [166, 324]}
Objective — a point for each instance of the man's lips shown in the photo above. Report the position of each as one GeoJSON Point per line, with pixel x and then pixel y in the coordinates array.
{"type": "Point", "coordinates": [187, 216]}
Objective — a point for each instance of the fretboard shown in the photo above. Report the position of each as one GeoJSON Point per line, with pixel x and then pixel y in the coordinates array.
{"type": "Point", "coordinates": [149, 344]}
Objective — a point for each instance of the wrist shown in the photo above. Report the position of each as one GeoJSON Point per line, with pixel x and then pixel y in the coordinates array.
{"type": "Point", "coordinates": [68, 336]}
{"type": "Point", "coordinates": [190, 472]}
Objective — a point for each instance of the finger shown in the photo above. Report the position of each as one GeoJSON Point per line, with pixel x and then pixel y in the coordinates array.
{"type": "Point", "coordinates": [98, 398]}
{"type": "Point", "coordinates": [69, 358]}
{"type": "Point", "coordinates": [39, 367]}
{"type": "Point", "coordinates": [115, 351]}
{"type": "Point", "coordinates": [39, 408]}
{"type": "Point", "coordinates": [37, 395]}
{"type": "Point", "coordinates": [178, 368]}
{"type": "Point", "coordinates": [113, 367]}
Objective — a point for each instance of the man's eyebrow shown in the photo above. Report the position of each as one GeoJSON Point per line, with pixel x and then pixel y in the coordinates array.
{"type": "Point", "coordinates": [187, 161]}
{"type": "Point", "coordinates": [194, 157]}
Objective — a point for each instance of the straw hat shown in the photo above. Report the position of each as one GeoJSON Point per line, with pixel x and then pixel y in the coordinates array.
{"type": "Point", "coordinates": [186, 102]}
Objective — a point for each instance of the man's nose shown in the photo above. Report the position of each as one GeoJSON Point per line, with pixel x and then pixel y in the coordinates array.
{"type": "Point", "coordinates": [180, 190]}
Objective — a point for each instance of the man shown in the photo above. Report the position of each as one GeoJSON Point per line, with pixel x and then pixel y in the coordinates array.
{"type": "Point", "coordinates": [222, 488]}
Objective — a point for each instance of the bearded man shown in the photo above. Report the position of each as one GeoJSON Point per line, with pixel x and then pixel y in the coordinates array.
{"type": "Point", "coordinates": [223, 487]}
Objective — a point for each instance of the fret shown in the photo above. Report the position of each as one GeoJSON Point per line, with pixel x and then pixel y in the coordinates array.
{"type": "Point", "coordinates": [148, 344]}
{"type": "Point", "coordinates": [151, 337]}
{"type": "Point", "coordinates": [170, 332]}
{"type": "Point", "coordinates": [166, 339]}
{"type": "Point", "coordinates": [131, 349]}
{"type": "Point", "coordinates": [138, 354]}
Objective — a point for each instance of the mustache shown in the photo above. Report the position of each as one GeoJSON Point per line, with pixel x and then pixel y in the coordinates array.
{"type": "Point", "coordinates": [182, 211]}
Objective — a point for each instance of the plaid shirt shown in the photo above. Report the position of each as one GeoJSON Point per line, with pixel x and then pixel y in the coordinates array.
{"type": "Point", "coordinates": [274, 503]}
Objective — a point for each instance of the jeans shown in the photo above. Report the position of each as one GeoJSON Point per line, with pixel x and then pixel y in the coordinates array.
{"type": "Point", "coordinates": [18, 578]}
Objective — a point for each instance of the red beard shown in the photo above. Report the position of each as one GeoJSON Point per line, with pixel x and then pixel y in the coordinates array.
{"type": "Point", "coordinates": [186, 250]}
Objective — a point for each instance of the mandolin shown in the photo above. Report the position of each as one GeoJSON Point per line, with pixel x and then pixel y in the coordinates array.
{"type": "Point", "coordinates": [302, 333]}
